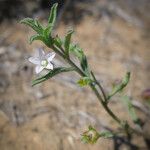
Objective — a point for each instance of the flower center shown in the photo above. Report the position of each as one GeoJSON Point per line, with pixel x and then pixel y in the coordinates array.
{"type": "Point", "coordinates": [44, 63]}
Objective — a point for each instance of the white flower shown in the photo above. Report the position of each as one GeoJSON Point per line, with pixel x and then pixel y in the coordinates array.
{"type": "Point", "coordinates": [42, 61]}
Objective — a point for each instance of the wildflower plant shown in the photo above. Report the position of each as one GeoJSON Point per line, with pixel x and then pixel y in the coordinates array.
{"type": "Point", "coordinates": [64, 48]}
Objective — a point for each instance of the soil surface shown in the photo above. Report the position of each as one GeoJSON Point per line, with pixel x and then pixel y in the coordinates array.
{"type": "Point", "coordinates": [54, 114]}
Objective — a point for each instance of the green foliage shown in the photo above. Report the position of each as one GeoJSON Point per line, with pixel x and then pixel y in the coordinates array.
{"type": "Point", "coordinates": [67, 42]}
{"type": "Point", "coordinates": [64, 48]}
{"type": "Point", "coordinates": [106, 134]}
{"type": "Point", "coordinates": [51, 74]}
{"type": "Point", "coordinates": [34, 24]}
{"type": "Point", "coordinates": [84, 81]}
{"type": "Point", "coordinates": [77, 51]}
{"type": "Point", "coordinates": [84, 65]}
{"type": "Point", "coordinates": [43, 34]}
{"type": "Point", "coordinates": [91, 136]}
{"type": "Point", "coordinates": [47, 31]}
{"type": "Point", "coordinates": [58, 42]}
{"type": "Point", "coordinates": [120, 86]}
{"type": "Point", "coordinates": [53, 14]}
{"type": "Point", "coordinates": [36, 37]}
{"type": "Point", "coordinates": [127, 102]}
{"type": "Point", "coordinates": [74, 49]}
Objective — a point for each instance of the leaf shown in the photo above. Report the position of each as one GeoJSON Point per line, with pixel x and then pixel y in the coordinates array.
{"type": "Point", "coordinates": [47, 31]}
{"type": "Point", "coordinates": [84, 64]}
{"type": "Point", "coordinates": [85, 139]}
{"type": "Point", "coordinates": [106, 134]}
{"type": "Point", "coordinates": [53, 13]}
{"type": "Point", "coordinates": [121, 86]}
{"type": "Point", "coordinates": [36, 37]}
{"type": "Point", "coordinates": [51, 74]}
{"type": "Point", "coordinates": [46, 41]}
{"type": "Point", "coordinates": [77, 51]}
{"type": "Point", "coordinates": [47, 35]}
{"type": "Point", "coordinates": [58, 42]}
{"type": "Point", "coordinates": [84, 81]}
{"type": "Point", "coordinates": [34, 24]}
{"type": "Point", "coordinates": [39, 25]}
{"type": "Point", "coordinates": [127, 102]}
{"type": "Point", "coordinates": [68, 41]}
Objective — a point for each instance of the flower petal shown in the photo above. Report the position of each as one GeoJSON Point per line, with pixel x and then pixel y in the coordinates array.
{"type": "Point", "coordinates": [34, 60]}
{"type": "Point", "coordinates": [41, 53]}
{"type": "Point", "coordinates": [50, 56]}
{"type": "Point", "coordinates": [38, 69]}
{"type": "Point", "coordinates": [49, 66]}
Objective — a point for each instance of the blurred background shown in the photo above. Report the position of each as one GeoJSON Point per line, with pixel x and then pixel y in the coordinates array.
{"type": "Point", "coordinates": [115, 36]}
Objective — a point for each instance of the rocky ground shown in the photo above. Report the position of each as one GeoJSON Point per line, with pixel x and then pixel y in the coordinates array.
{"type": "Point", "coordinates": [52, 116]}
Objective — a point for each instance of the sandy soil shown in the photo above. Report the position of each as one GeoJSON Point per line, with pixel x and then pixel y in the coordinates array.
{"type": "Point", "coordinates": [51, 116]}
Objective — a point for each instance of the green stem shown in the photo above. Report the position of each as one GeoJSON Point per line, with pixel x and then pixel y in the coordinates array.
{"type": "Point", "coordinates": [105, 105]}
{"type": "Point", "coordinates": [101, 100]}
{"type": "Point", "coordinates": [100, 87]}
{"type": "Point", "coordinates": [68, 60]}
{"type": "Point", "coordinates": [93, 88]}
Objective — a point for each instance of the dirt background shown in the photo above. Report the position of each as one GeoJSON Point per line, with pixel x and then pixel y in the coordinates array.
{"type": "Point", "coordinates": [51, 116]}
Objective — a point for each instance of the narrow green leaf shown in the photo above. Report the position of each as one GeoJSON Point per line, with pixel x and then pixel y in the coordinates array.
{"type": "Point", "coordinates": [127, 102]}
{"type": "Point", "coordinates": [34, 24]}
{"type": "Point", "coordinates": [58, 42]}
{"type": "Point", "coordinates": [41, 28]}
{"type": "Point", "coordinates": [68, 41]}
{"type": "Point", "coordinates": [47, 35]}
{"type": "Point", "coordinates": [47, 31]}
{"type": "Point", "coordinates": [84, 63]}
{"type": "Point", "coordinates": [51, 74]}
{"type": "Point", "coordinates": [77, 51]}
{"type": "Point", "coordinates": [106, 134]}
{"type": "Point", "coordinates": [121, 86]}
{"type": "Point", "coordinates": [53, 13]}
{"type": "Point", "coordinates": [36, 37]}
{"type": "Point", "coordinates": [84, 81]}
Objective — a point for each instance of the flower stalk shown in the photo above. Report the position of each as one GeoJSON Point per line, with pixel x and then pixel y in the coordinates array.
{"type": "Point", "coordinates": [101, 100]}
{"type": "Point", "coordinates": [64, 48]}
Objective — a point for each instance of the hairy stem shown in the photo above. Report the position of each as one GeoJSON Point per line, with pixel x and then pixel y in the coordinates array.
{"type": "Point", "coordinates": [93, 88]}
{"type": "Point", "coordinates": [100, 87]}
{"type": "Point", "coordinates": [102, 100]}
{"type": "Point", "coordinates": [105, 105]}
